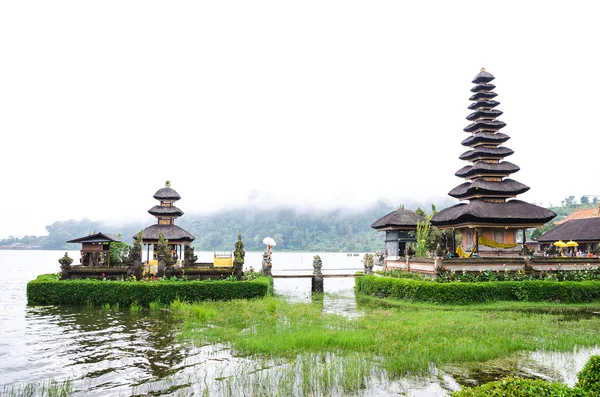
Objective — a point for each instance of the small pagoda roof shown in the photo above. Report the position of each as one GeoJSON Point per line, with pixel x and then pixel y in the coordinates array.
{"type": "Point", "coordinates": [481, 168]}
{"type": "Point", "coordinates": [483, 87]}
{"type": "Point", "coordinates": [491, 113]}
{"type": "Point", "coordinates": [580, 230]}
{"type": "Point", "coordinates": [483, 95]}
{"type": "Point", "coordinates": [158, 210]}
{"type": "Point", "coordinates": [170, 232]}
{"type": "Point", "coordinates": [485, 137]}
{"type": "Point", "coordinates": [400, 219]}
{"type": "Point", "coordinates": [166, 193]}
{"type": "Point", "coordinates": [490, 125]}
{"type": "Point", "coordinates": [97, 238]}
{"type": "Point", "coordinates": [482, 152]}
{"type": "Point", "coordinates": [483, 77]}
{"type": "Point", "coordinates": [480, 212]}
{"type": "Point", "coordinates": [484, 104]}
{"type": "Point", "coordinates": [483, 188]}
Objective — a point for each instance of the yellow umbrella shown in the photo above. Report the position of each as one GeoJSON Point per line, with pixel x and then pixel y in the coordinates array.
{"type": "Point", "coordinates": [560, 244]}
{"type": "Point", "coordinates": [572, 243]}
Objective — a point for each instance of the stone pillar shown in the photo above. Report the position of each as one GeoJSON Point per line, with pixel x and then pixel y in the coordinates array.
{"type": "Point", "coordinates": [65, 266]}
{"type": "Point", "coordinates": [266, 264]}
{"type": "Point", "coordinates": [317, 279]}
{"type": "Point", "coordinates": [368, 263]}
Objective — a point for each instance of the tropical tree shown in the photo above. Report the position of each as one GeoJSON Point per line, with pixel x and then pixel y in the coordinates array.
{"type": "Point", "coordinates": [164, 250]}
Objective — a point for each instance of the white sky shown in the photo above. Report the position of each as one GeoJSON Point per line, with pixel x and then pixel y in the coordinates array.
{"type": "Point", "coordinates": [312, 104]}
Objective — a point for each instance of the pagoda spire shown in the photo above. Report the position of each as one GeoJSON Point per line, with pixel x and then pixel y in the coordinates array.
{"type": "Point", "coordinates": [487, 174]}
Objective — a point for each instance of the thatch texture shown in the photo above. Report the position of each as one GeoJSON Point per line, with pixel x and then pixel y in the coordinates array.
{"type": "Point", "coordinates": [166, 193]}
{"type": "Point", "coordinates": [579, 230]}
{"type": "Point", "coordinates": [483, 87]}
{"type": "Point", "coordinates": [480, 187]}
{"type": "Point", "coordinates": [483, 104]}
{"type": "Point", "coordinates": [490, 125]}
{"type": "Point", "coordinates": [485, 137]}
{"type": "Point", "coordinates": [483, 152]}
{"type": "Point", "coordinates": [481, 168]}
{"type": "Point", "coordinates": [483, 96]}
{"type": "Point", "coordinates": [158, 210]}
{"type": "Point", "coordinates": [513, 212]}
{"type": "Point", "coordinates": [170, 232]}
{"type": "Point", "coordinates": [492, 113]}
{"type": "Point", "coordinates": [483, 77]}
{"type": "Point", "coordinates": [400, 219]}
{"type": "Point", "coordinates": [97, 238]}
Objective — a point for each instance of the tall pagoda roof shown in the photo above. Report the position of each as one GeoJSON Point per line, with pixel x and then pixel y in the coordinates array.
{"type": "Point", "coordinates": [167, 193]}
{"type": "Point", "coordinates": [170, 232]}
{"type": "Point", "coordinates": [400, 219]}
{"type": "Point", "coordinates": [488, 187]}
{"type": "Point", "coordinates": [158, 210]}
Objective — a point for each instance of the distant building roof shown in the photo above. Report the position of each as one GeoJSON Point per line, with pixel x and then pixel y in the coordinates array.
{"type": "Point", "coordinates": [399, 219]}
{"type": "Point", "coordinates": [580, 230]}
{"type": "Point", "coordinates": [97, 238]}
{"type": "Point", "coordinates": [581, 214]}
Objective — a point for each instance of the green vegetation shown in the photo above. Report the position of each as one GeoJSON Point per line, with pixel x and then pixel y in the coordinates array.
{"type": "Point", "coordinates": [49, 290]}
{"type": "Point", "coordinates": [589, 377]}
{"type": "Point", "coordinates": [50, 388]}
{"type": "Point", "coordinates": [520, 387]}
{"type": "Point", "coordinates": [397, 341]}
{"type": "Point", "coordinates": [468, 293]}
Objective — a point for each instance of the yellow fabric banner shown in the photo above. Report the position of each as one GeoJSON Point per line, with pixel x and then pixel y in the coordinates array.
{"type": "Point", "coordinates": [223, 262]}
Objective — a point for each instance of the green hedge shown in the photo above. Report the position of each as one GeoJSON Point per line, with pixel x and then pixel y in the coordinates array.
{"type": "Point", "coordinates": [467, 293]}
{"type": "Point", "coordinates": [520, 387]}
{"type": "Point", "coordinates": [48, 290]}
{"type": "Point", "coordinates": [589, 377]}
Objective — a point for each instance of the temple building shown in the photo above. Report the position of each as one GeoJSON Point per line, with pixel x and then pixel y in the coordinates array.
{"type": "Point", "coordinates": [166, 213]}
{"type": "Point", "coordinates": [95, 248]}
{"type": "Point", "coordinates": [400, 227]}
{"type": "Point", "coordinates": [490, 218]}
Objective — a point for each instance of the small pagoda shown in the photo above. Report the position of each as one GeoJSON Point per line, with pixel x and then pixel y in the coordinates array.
{"type": "Point", "coordinates": [491, 217]}
{"type": "Point", "coordinates": [166, 213]}
{"type": "Point", "coordinates": [400, 227]}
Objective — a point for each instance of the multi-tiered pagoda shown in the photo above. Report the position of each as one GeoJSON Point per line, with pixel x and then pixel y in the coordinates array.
{"type": "Point", "coordinates": [166, 213]}
{"type": "Point", "coordinates": [491, 218]}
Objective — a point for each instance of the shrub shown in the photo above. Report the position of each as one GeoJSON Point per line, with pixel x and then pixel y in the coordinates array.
{"type": "Point", "coordinates": [589, 377]}
{"type": "Point", "coordinates": [467, 293]}
{"type": "Point", "coordinates": [520, 387]}
{"type": "Point", "coordinates": [48, 290]}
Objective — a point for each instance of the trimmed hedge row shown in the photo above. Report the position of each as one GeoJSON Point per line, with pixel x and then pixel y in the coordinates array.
{"type": "Point", "coordinates": [467, 293]}
{"type": "Point", "coordinates": [47, 290]}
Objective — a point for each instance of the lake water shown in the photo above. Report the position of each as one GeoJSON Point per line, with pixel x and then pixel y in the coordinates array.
{"type": "Point", "coordinates": [119, 353]}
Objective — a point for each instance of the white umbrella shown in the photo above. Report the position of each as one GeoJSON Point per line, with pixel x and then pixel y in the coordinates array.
{"type": "Point", "coordinates": [269, 241]}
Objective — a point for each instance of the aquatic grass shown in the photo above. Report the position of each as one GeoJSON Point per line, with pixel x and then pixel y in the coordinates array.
{"type": "Point", "coordinates": [135, 307]}
{"type": "Point", "coordinates": [49, 388]}
{"type": "Point", "coordinates": [399, 341]}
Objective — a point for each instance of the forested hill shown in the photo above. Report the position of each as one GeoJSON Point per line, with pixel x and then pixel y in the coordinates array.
{"type": "Point", "coordinates": [323, 231]}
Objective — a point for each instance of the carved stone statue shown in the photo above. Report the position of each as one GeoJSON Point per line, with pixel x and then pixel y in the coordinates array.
{"type": "Point", "coordinates": [317, 280]}
{"type": "Point", "coordinates": [368, 263]}
{"type": "Point", "coordinates": [238, 258]}
{"type": "Point", "coordinates": [65, 266]}
{"type": "Point", "coordinates": [266, 263]}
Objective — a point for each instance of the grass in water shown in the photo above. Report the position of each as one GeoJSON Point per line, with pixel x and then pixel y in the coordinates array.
{"type": "Point", "coordinates": [49, 388]}
{"type": "Point", "coordinates": [400, 341]}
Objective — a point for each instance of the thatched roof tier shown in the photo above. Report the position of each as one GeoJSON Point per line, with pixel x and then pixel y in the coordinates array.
{"type": "Point", "coordinates": [480, 212]}
{"type": "Point", "coordinates": [482, 188]}
{"type": "Point", "coordinates": [97, 238]}
{"type": "Point", "coordinates": [485, 113]}
{"type": "Point", "coordinates": [166, 193]}
{"type": "Point", "coordinates": [483, 87]}
{"type": "Point", "coordinates": [483, 104]}
{"type": "Point", "coordinates": [483, 96]}
{"type": "Point", "coordinates": [579, 230]}
{"type": "Point", "coordinates": [398, 220]}
{"type": "Point", "coordinates": [158, 210]}
{"type": "Point", "coordinates": [483, 77]}
{"type": "Point", "coordinates": [486, 153]}
{"type": "Point", "coordinates": [481, 138]}
{"type": "Point", "coordinates": [503, 168]}
{"type": "Point", "coordinates": [486, 125]}
{"type": "Point", "coordinates": [170, 232]}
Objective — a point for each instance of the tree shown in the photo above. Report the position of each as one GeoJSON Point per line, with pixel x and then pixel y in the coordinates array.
{"type": "Point", "coordinates": [164, 250]}
{"type": "Point", "coordinates": [569, 201]}
{"type": "Point", "coordinates": [118, 251]}
{"type": "Point", "coordinates": [584, 200]}
{"type": "Point", "coordinates": [595, 200]}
